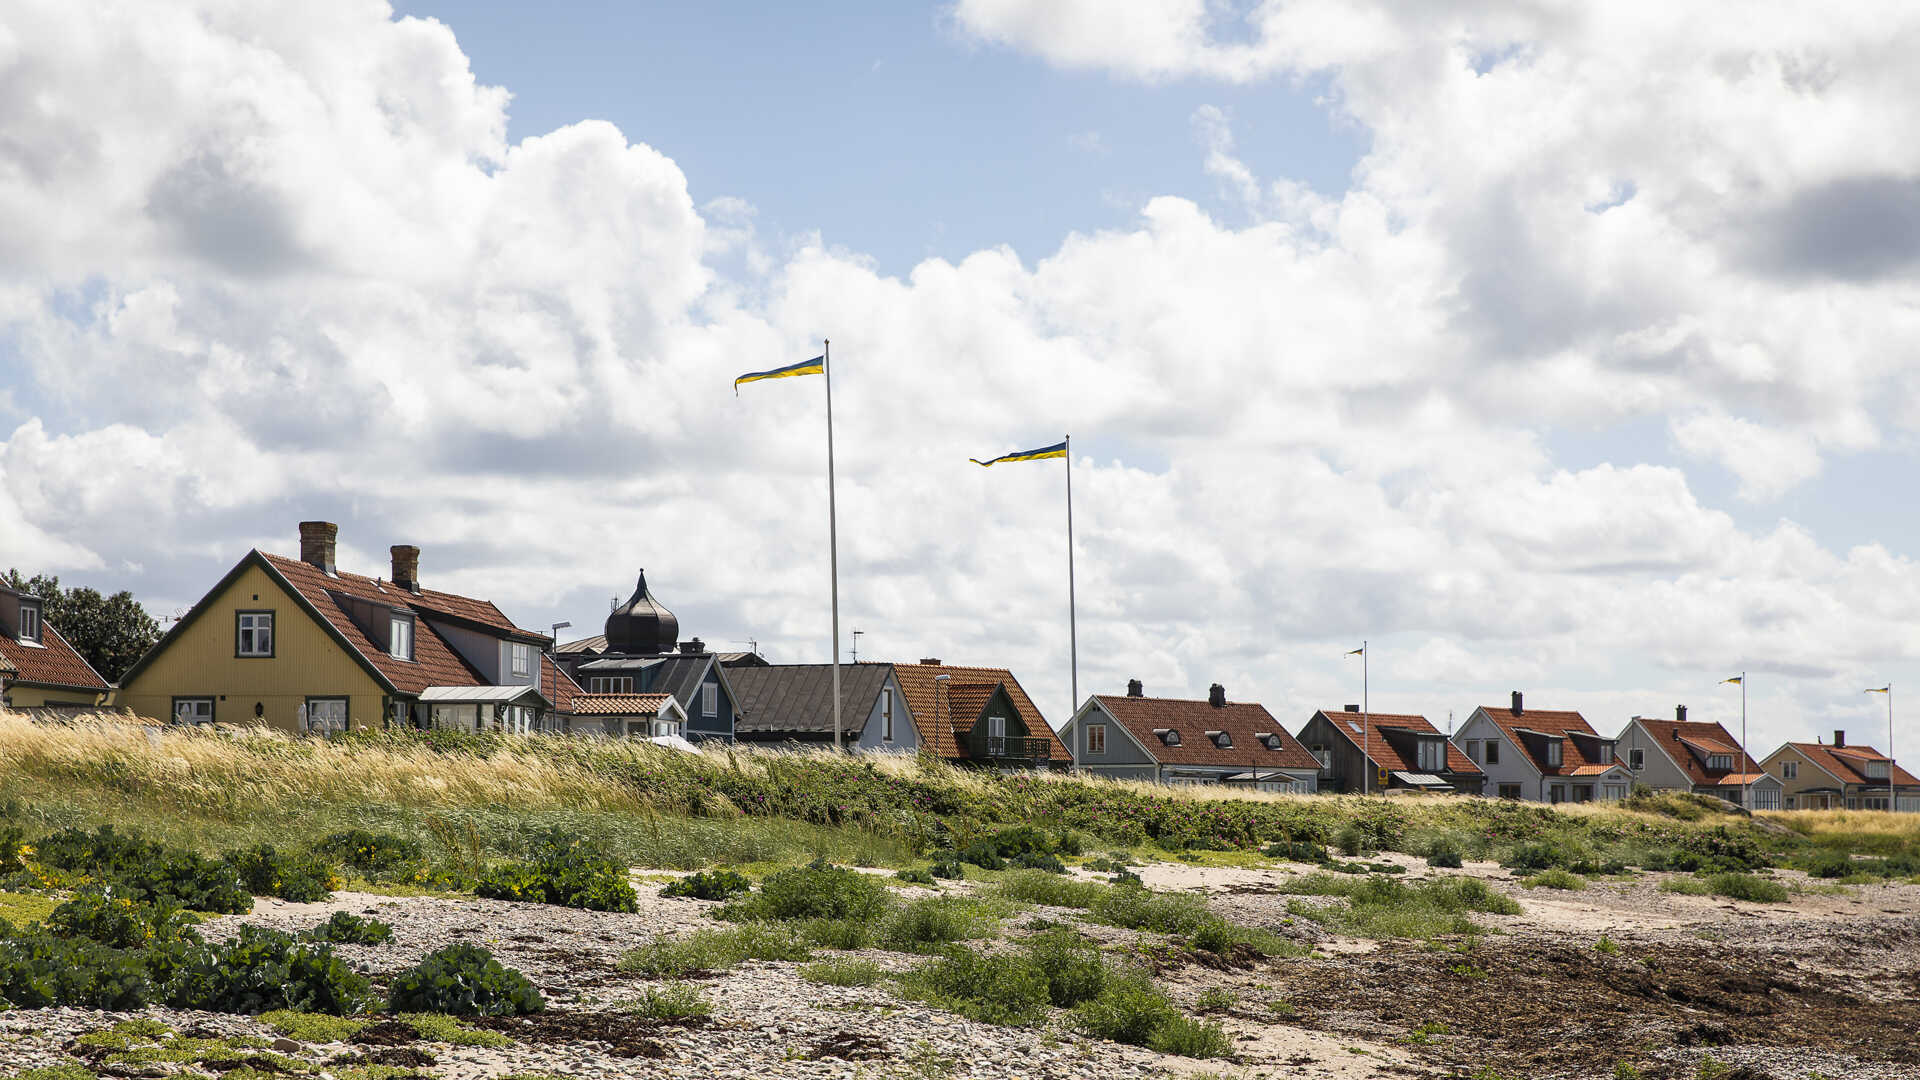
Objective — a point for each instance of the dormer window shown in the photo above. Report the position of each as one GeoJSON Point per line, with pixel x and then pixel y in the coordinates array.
{"type": "Point", "coordinates": [1553, 753]}
{"type": "Point", "coordinates": [30, 623]}
{"type": "Point", "coordinates": [1268, 739]}
{"type": "Point", "coordinates": [522, 661]}
{"type": "Point", "coordinates": [1432, 756]}
{"type": "Point", "coordinates": [1168, 736]}
{"type": "Point", "coordinates": [1720, 762]}
{"type": "Point", "coordinates": [1876, 770]}
{"type": "Point", "coordinates": [1221, 739]}
{"type": "Point", "coordinates": [400, 637]}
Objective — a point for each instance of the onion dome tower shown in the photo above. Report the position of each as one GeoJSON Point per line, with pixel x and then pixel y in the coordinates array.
{"type": "Point", "coordinates": [642, 626]}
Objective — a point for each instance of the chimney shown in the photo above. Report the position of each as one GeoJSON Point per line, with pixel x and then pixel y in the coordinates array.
{"type": "Point", "coordinates": [406, 567]}
{"type": "Point", "coordinates": [1217, 696]}
{"type": "Point", "coordinates": [1353, 708]}
{"type": "Point", "coordinates": [1516, 703]}
{"type": "Point", "coordinates": [317, 539]}
{"type": "Point", "coordinates": [1840, 739]}
{"type": "Point", "coordinates": [693, 647]}
{"type": "Point", "coordinates": [1676, 734]}
{"type": "Point", "coordinates": [1134, 689]}
{"type": "Point", "coordinates": [1680, 713]}
{"type": "Point", "coordinates": [930, 661]}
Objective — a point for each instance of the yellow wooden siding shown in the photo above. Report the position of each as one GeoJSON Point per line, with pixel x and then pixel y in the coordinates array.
{"type": "Point", "coordinates": [306, 662]}
{"type": "Point", "coordinates": [34, 697]}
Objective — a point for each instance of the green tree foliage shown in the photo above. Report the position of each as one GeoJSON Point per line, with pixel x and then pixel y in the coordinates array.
{"type": "Point", "coordinates": [110, 632]}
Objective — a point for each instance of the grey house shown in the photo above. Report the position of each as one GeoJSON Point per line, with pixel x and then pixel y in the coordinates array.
{"type": "Point", "coordinates": [1683, 755]}
{"type": "Point", "coordinates": [1179, 741]}
{"type": "Point", "coordinates": [794, 703]}
{"type": "Point", "coordinates": [1543, 755]}
{"type": "Point", "coordinates": [638, 655]}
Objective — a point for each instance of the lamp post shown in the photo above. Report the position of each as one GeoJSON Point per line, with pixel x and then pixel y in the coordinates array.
{"type": "Point", "coordinates": [555, 635]}
{"type": "Point", "coordinates": [1893, 794]}
{"type": "Point", "coordinates": [1366, 728]}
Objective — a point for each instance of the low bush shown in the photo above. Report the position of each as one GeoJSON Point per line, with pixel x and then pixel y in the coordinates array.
{"type": "Point", "coordinates": [1072, 965]}
{"type": "Point", "coordinates": [1026, 846]}
{"type": "Point", "coordinates": [925, 924]}
{"type": "Point", "coordinates": [841, 934]}
{"type": "Point", "coordinates": [1686, 886]}
{"type": "Point", "coordinates": [345, 928]}
{"type": "Point", "coordinates": [1128, 1010]}
{"type": "Point", "coordinates": [564, 872]}
{"type": "Point", "coordinates": [1296, 851]}
{"type": "Point", "coordinates": [841, 971]}
{"type": "Point", "coordinates": [1352, 840]}
{"type": "Point", "coordinates": [1003, 988]}
{"type": "Point", "coordinates": [1557, 878]}
{"type": "Point", "coordinates": [1384, 907]}
{"type": "Point", "coordinates": [303, 879]}
{"type": "Point", "coordinates": [1137, 908]}
{"type": "Point", "coordinates": [39, 969]}
{"type": "Point", "coordinates": [715, 885]}
{"type": "Point", "coordinates": [674, 1001]}
{"type": "Point", "coordinates": [1216, 999]}
{"type": "Point", "coordinates": [258, 970]}
{"type": "Point", "coordinates": [817, 890]}
{"type": "Point", "coordinates": [463, 980]}
{"type": "Point", "coordinates": [1748, 887]}
{"type": "Point", "coordinates": [1187, 1037]}
{"type": "Point", "coordinates": [1045, 862]}
{"type": "Point", "coordinates": [948, 868]}
{"type": "Point", "coordinates": [120, 922]}
{"type": "Point", "coordinates": [1444, 852]}
{"type": "Point", "coordinates": [1032, 887]}
{"type": "Point", "coordinates": [914, 876]}
{"type": "Point", "coordinates": [714, 950]}
{"type": "Point", "coordinates": [375, 856]}
{"type": "Point", "coordinates": [103, 853]}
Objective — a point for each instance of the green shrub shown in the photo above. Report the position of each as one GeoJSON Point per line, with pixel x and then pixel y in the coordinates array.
{"type": "Point", "coordinates": [1046, 862]}
{"type": "Point", "coordinates": [1557, 878]}
{"type": "Point", "coordinates": [817, 890]}
{"type": "Point", "coordinates": [841, 971]}
{"type": "Point", "coordinates": [38, 970]}
{"type": "Point", "coordinates": [1137, 908]}
{"type": "Point", "coordinates": [1034, 887]}
{"type": "Point", "coordinates": [463, 980]}
{"type": "Point", "coordinates": [303, 879]}
{"type": "Point", "coordinates": [1384, 907]}
{"type": "Point", "coordinates": [345, 928]}
{"type": "Point", "coordinates": [1444, 852]}
{"type": "Point", "coordinates": [936, 920]}
{"type": "Point", "coordinates": [258, 970]}
{"type": "Point", "coordinates": [119, 922]}
{"type": "Point", "coordinates": [186, 879]}
{"type": "Point", "coordinates": [1071, 964]}
{"type": "Point", "coordinates": [1686, 886]}
{"type": "Point", "coordinates": [841, 934]}
{"type": "Point", "coordinates": [1296, 851]}
{"type": "Point", "coordinates": [674, 1001]}
{"type": "Point", "coordinates": [717, 885]}
{"type": "Point", "coordinates": [1736, 886]}
{"type": "Point", "coordinates": [1606, 945]}
{"type": "Point", "coordinates": [714, 950]}
{"type": "Point", "coordinates": [1006, 988]}
{"type": "Point", "coordinates": [103, 853]}
{"type": "Point", "coordinates": [914, 876]}
{"type": "Point", "coordinates": [1192, 1038]}
{"type": "Point", "coordinates": [1352, 840]}
{"type": "Point", "coordinates": [375, 856]}
{"type": "Point", "coordinates": [948, 868]}
{"type": "Point", "coordinates": [561, 870]}
{"type": "Point", "coordinates": [1217, 999]}
{"type": "Point", "coordinates": [1128, 1010]}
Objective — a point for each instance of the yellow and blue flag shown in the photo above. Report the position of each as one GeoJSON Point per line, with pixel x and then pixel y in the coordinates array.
{"type": "Point", "coordinates": [1057, 450]}
{"type": "Point", "coordinates": [815, 366]}
{"type": "Point", "coordinates": [1741, 679]}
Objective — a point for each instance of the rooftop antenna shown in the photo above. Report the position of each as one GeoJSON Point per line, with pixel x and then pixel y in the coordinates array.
{"type": "Point", "coordinates": [856, 645]}
{"type": "Point", "coordinates": [750, 643]}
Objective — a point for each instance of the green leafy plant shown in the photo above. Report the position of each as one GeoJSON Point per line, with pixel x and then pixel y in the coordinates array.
{"type": "Point", "coordinates": [841, 971]}
{"type": "Point", "coordinates": [1004, 988]}
{"type": "Point", "coordinates": [1750, 887]}
{"type": "Point", "coordinates": [563, 871]}
{"type": "Point", "coordinates": [303, 879]}
{"type": "Point", "coordinates": [817, 890]}
{"type": "Point", "coordinates": [1129, 1009]}
{"type": "Point", "coordinates": [258, 970]}
{"type": "Point", "coordinates": [1192, 1038]}
{"type": "Point", "coordinates": [120, 922]}
{"type": "Point", "coordinates": [914, 876]}
{"type": "Point", "coordinates": [345, 928]}
{"type": "Point", "coordinates": [717, 885]}
{"type": "Point", "coordinates": [1071, 964]}
{"type": "Point", "coordinates": [674, 1001]}
{"type": "Point", "coordinates": [1216, 999]}
{"type": "Point", "coordinates": [1557, 878]}
{"type": "Point", "coordinates": [463, 980]}
{"type": "Point", "coordinates": [38, 970]}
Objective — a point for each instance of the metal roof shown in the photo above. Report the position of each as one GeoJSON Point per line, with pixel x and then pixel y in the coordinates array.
{"type": "Point", "coordinates": [471, 694]}
{"type": "Point", "coordinates": [1420, 779]}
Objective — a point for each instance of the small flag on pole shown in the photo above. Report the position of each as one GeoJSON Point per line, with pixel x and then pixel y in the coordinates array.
{"type": "Point", "coordinates": [1741, 679]}
{"type": "Point", "coordinates": [1057, 450]}
{"type": "Point", "coordinates": [1356, 652]}
{"type": "Point", "coordinates": [1887, 689]}
{"type": "Point", "coordinates": [815, 366]}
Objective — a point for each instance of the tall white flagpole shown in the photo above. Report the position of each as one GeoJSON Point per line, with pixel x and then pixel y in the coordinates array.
{"type": "Point", "coordinates": [1073, 623]}
{"type": "Point", "coordinates": [1893, 793]}
{"type": "Point", "coordinates": [1746, 779]}
{"type": "Point", "coordinates": [1366, 721]}
{"type": "Point", "coordinates": [833, 540]}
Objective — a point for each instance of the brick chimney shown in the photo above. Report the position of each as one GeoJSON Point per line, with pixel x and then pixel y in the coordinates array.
{"type": "Point", "coordinates": [930, 661]}
{"type": "Point", "coordinates": [1134, 689]}
{"type": "Point", "coordinates": [1680, 713]}
{"type": "Point", "coordinates": [694, 647]}
{"type": "Point", "coordinates": [406, 567]}
{"type": "Point", "coordinates": [1217, 696]}
{"type": "Point", "coordinates": [1353, 708]}
{"type": "Point", "coordinates": [1517, 710]}
{"type": "Point", "coordinates": [1840, 739]}
{"type": "Point", "coordinates": [317, 541]}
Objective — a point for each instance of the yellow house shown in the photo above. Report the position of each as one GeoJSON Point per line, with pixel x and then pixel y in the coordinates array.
{"type": "Point", "coordinates": [306, 647]}
{"type": "Point", "coordinates": [37, 666]}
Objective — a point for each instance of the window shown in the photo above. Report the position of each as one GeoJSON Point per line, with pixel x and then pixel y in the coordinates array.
{"type": "Point", "coordinates": [30, 623]}
{"type": "Point", "coordinates": [1509, 791]}
{"type": "Point", "coordinates": [665, 727]}
{"type": "Point", "coordinates": [996, 736]}
{"type": "Point", "coordinates": [710, 699]}
{"type": "Point", "coordinates": [1789, 770]}
{"type": "Point", "coordinates": [1169, 736]}
{"type": "Point", "coordinates": [253, 633]}
{"type": "Point", "coordinates": [1493, 758]}
{"type": "Point", "coordinates": [1615, 792]}
{"type": "Point", "coordinates": [610, 684]}
{"type": "Point", "coordinates": [325, 716]}
{"type": "Point", "coordinates": [1323, 755]}
{"type": "Point", "coordinates": [1433, 757]}
{"type": "Point", "coordinates": [522, 661]}
{"type": "Point", "coordinates": [1877, 770]}
{"type": "Point", "coordinates": [518, 719]}
{"type": "Point", "coordinates": [1720, 762]}
{"type": "Point", "coordinates": [1553, 756]}
{"type": "Point", "coordinates": [1637, 759]}
{"type": "Point", "coordinates": [886, 713]}
{"type": "Point", "coordinates": [193, 710]}
{"type": "Point", "coordinates": [1557, 793]}
{"type": "Point", "coordinates": [1473, 749]}
{"type": "Point", "coordinates": [400, 638]}
{"type": "Point", "coordinates": [456, 717]}
{"type": "Point", "coordinates": [1096, 738]}
{"type": "Point", "coordinates": [1223, 740]}
{"type": "Point", "coordinates": [1789, 802]}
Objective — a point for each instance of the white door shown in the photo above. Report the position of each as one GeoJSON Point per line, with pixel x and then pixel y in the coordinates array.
{"type": "Point", "coordinates": [327, 716]}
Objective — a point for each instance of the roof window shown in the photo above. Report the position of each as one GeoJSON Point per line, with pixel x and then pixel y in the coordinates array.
{"type": "Point", "coordinates": [1169, 736]}
{"type": "Point", "coordinates": [1221, 739]}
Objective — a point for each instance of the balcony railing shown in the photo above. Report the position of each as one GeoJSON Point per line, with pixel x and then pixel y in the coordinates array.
{"type": "Point", "coordinates": [1008, 748]}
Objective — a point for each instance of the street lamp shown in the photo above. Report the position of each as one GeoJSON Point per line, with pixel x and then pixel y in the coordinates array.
{"type": "Point", "coordinates": [555, 635]}
{"type": "Point", "coordinates": [1893, 795]}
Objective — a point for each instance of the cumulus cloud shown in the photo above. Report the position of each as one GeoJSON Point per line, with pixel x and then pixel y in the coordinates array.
{"type": "Point", "coordinates": [277, 265]}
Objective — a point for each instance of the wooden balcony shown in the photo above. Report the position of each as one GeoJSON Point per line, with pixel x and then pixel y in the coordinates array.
{"type": "Point", "coordinates": [1009, 748]}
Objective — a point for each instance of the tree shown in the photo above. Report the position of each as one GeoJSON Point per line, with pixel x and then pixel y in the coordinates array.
{"type": "Point", "coordinates": [110, 632]}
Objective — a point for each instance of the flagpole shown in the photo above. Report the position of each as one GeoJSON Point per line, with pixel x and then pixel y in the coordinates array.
{"type": "Point", "coordinates": [1366, 722]}
{"type": "Point", "coordinates": [833, 540]}
{"type": "Point", "coordinates": [1746, 780]}
{"type": "Point", "coordinates": [1893, 795]}
{"type": "Point", "coordinates": [1073, 621]}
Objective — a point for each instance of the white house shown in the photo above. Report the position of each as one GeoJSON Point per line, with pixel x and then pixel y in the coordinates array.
{"type": "Point", "coordinates": [1542, 755]}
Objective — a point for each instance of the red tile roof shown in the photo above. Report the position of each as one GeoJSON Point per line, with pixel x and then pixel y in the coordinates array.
{"type": "Point", "coordinates": [1847, 763]}
{"type": "Point", "coordinates": [1240, 720]}
{"type": "Point", "coordinates": [1673, 737]}
{"type": "Point", "coordinates": [620, 704]}
{"type": "Point", "coordinates": [557, 686]}
{"type": "Point", "coordinates": [1573, 760]}
{"type": "Point", "coordinates": [1382, 752]}
{"type": "Point", "coordinates": [54, 663]}
{"type": "Point", "coordinates": [435, 662]}
{"type": "Point", "coordinates": [935, 723]}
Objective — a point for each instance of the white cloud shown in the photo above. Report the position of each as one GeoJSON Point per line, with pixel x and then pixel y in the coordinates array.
{"type": "Point", "coordinates": [287, 265]}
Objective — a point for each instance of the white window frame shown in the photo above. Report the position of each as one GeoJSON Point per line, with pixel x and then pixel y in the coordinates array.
{"type": "Point", "coordinates": [1556, 753]}
{"type": "Point", "coordinates": [400, 637]}
{"type": "Point", "coordinates": [710, 699]}
{"type": "Point", "coordinates": [609, 684]}
{"type": "Point", "coordinates": [1875, 770]}
{"type": "Point", "coordinates": [312, 724]}
{"type": "Point", "coordinates": [1096, 738]}
{"type": "Point", "coordinates": [1473, 749]}
{"type": "Point", "coordinates": [1637, 758]}
{"type": "Point", "coordinates": [1720, 761]}
{"type": "Point", "coordinates": [1432, 757]}
{"type": "Point", "coordinates": [520, 660]}
{"type": "Point", "coordinates": [1493, 752]}
{"type": "Point", "coordinates": [996, 734]}
{"type": "Point", "coordinates": [32, 629]}
{"type": "Point", "coordinates": [1614, 792]}
{"type": "Point", "coordinates": [886, 714]}
{"type": "Point", "coordinates": [191, 702]}
{"type": "Point", "coordinates": [1789, 770]}
{"type": "Point", "coordinates": [253, 634]}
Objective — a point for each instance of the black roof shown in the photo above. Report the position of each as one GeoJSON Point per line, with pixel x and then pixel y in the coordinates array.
{"type": "Point", "coordinates": [798, 698]}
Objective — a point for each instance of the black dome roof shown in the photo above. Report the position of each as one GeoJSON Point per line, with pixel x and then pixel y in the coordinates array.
{"type": "Point", "coordinates": [642, 625]}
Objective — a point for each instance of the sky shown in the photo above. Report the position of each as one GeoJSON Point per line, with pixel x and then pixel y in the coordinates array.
{"type": "Point", "coordinates": [1544, 346]}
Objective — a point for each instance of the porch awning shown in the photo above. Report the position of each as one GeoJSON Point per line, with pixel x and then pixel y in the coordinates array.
{"type": "Point", "coordinates": [1416, 779]}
